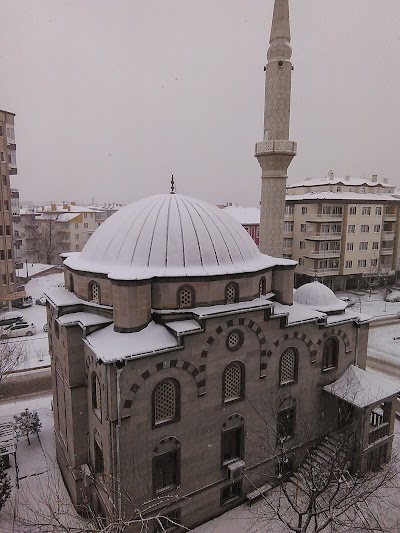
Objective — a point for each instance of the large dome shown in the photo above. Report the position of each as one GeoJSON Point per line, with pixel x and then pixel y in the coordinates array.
{"type": "Point", "coordinates": [170, 235]}
{"type": "Point", "coordinates": [319, 297]}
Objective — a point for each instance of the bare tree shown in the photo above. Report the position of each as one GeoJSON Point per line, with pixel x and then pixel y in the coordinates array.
{"type": "Point", "coordinates": [50, 230]}
{"type": "Point", "coordinates": [12, 354]}
{"type": "Point", "coordinates": [325, 493]}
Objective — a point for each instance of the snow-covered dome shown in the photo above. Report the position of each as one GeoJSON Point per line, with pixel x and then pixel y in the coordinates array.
{"type": "Point", "coordinates": [170, 235]}
{"type": "Point", "coordinates": [319, 297]}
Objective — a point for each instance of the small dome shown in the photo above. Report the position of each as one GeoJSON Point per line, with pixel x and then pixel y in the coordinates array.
{"type": "Point", "coordinates": [319, 297]}
{"type": "Point", "coordinates": [170, 235]}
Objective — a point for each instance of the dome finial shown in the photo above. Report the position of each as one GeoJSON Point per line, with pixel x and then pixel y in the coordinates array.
{"type": "Point", "coordinates": [172, 184]}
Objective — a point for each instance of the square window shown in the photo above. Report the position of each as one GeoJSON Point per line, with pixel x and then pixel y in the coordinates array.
{"type": "Point", "coordinates": [302, 245]}
{"type": "Point", "coordinates": [304, 210]}
{"type": "Point", "coordinates": [351, 228]}
{"type": "Point", "coordinates": [286, 423]}
{"type": "Point", "coordinates": [349, 264]}
{"type": "Point", "coordinates": [350, 246]}
{"type": "Point", "coordinates": [231, 444]}
{"type": "Point", "coordinates": [353, 210]}
{"type": "Point", "coordinates": [303, 228]}
{"type": "Point", "coordinates": [231, 492]}
{"type": "Point", "coordinates": [166, 474]}
{"type": "Point", "coordinates": [366, 210]}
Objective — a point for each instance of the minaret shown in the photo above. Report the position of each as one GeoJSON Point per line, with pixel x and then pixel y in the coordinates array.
{"type": "Point", "coordinates": [276, 152]}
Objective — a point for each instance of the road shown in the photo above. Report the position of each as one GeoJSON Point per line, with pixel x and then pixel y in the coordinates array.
{"type": "Point", "coordinates": [25, 384]}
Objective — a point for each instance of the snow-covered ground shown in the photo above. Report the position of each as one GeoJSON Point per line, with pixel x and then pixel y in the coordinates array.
{"type": "Point", "coordinates": [36, 349]}
{"type": "Point", "coordinates": [31, 269]}
{"type": "Point", "coordinates": [40, 484]}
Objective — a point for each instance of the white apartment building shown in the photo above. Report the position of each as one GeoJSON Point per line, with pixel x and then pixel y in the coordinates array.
{"type": "Point", "coordinates": [344, 232]}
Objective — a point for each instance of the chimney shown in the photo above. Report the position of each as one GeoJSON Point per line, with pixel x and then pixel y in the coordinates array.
{"type": "Point", "coordinates": [347, 178]}
{"type": "Point", "coordinates": [374, 178]}
{"type": "Point", "coordinates": [65, 205]}
{"type": "Point", "coordinates": [331, 175]}
{"type": "Point", "coordinates": [54, 207]}
{"type": "Point", "coordinates": [73, 203]}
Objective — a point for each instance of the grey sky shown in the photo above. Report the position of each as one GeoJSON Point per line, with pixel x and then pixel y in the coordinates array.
{"type": "Point", "coordinates": [112, 96]}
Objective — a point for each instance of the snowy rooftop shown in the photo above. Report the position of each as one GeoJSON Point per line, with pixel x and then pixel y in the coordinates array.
{"type": "Point", "coordinates": [60, 297]}
{"type": "Point", "coordinates": [184, 327]}
{"type": "Point", "coordinates": [355, 182]}
{"type": "Point", "coordinates": [244, 215]}
{"type": "Point", "coordinates": [319, 297]}
{"type": "Point", "coordinates": [297, 313]}
{"type": "Point", "coordinates": [362, 387]}
{"type": "Point", "coordinates": [84, 319]}
{"type": "Point", "coordinates": [170, 235]}
{"type": "Point", "coordinates": [351, 196]}
{"type": "Point", "coordinates": [110, 346]}
{"type": "Point", "coordinates": [214, 310]}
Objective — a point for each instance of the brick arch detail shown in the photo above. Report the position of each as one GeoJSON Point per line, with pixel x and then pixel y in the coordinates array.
{"type": "Point", "coordinates": [231, 323]}
{"type": "Point", "coordinates": [165, 441]}
{"type": "Point", "coordinates": [336, 332]}
{"type": "Point", "coordinates": [174, 363]}
{"type": "Point", "coordinates": [301, 337]}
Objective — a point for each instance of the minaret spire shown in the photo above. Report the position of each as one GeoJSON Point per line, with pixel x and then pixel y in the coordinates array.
{"type": "Point", "coordinates": [276, 152]}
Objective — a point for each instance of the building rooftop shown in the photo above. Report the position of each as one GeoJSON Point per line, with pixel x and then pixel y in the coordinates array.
{"type": "Point", "coordinates": [244, 215]}
{"type": "Point", "coordinates": [347, 180]}
{"type": "Point", "coordinates": [343, 196]}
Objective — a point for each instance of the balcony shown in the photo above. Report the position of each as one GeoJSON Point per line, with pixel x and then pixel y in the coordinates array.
{"type": "Point", "coordinates": [387, 251]}
{"type": "Point", "coordinates": [317, 272]}
{"type": "Point", "coordinates": [389, 217]}
{"type": "Point", "coordinates": [322, 253]}
{"type": "Point", "coordinates": [324, 218]}
{"type": "Point", "coordinates": [388, 234]}
{"type": "Point", "coordinates": [320, 235]}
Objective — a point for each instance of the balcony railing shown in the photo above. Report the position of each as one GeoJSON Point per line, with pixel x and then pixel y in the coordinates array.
{"type": "Point", "coordinates": [322, 253]}
{"type": "Point", "coordinates": [378, 433]}
{"type": "Point", "coordinates": [317, 272]}
{"type": "Point", "coordinates": [387, 251]}
{"type": "Point", "coordinates": [322, 235]}
{"type": "Point", "coordinates": [388, 234]}
{"type": "Point", "coordinates": [320, 217]}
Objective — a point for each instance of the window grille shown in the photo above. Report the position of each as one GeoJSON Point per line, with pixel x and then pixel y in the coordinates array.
{"type": "Point", "coordinates": [185, 297]}
{"type": "Point", "coordinates": [288, 366]}
{"type": "Point", "coordinates": [96, 393]}
{"type": "Point", "coordinates": [165, 402]}
{"type": "Point", "coordinates": [230, 294]}
{"type": "Point", "coordinates": [233, 382]}
{"type": "Point", "coordinates": [95, 292]}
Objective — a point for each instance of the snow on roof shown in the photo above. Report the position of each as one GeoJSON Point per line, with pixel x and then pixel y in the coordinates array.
{"type": "Point", "coordinates": [351, 196]}
{"type": "Point", "coordinates": [56, 217]}
{"type": "Point", "coordinates": [319, 297]}
{"type": "Point", "coordinates": [182, 327]}
{"type": "Point", "coordinates": [297, 313]}
{"type": "Point", "coordinates": [355, 182]}
{"type": "Point", "coordinates": [110, 346]}
{"type": "Point", "coordinates": [84, 319]}
{"type": "Point", "coordinates": [244, 215]}
{"type": "Point", "coordinates": [214, 310]}
{"type": "Point", "coordinates": [362, 387]}
{"type": "Point", "coordinates": [171, 235]}
{"type": "Point", "coordinates": [348, 316]}
{"type": "Point", "coordinates": [62, 297]}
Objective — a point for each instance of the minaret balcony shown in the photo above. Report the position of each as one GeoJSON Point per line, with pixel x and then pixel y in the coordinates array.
{"type": "Point", "coordinates": [276, 147]}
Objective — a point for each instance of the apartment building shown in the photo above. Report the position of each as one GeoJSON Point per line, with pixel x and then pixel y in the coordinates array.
{"type": "Point", "coordinates": [56, 229]}
{"type": "Point", "coordinates": [9, 288]}
{"type": "Point", "coordinates": [344, 232]}
{"type": "Point", "coordinates": [248, 217]}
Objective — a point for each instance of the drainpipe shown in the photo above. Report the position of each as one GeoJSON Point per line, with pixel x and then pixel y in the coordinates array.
{"type": "Point", "coordinates": [357, 340]}
{"type": "Point", "coordinates": [117, 434]}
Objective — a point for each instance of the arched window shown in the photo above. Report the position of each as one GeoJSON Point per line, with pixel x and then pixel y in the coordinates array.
{"type": "Point", "coordinates": [288, 367]}
{"type": "Point", "coordinates": [166, 466]}
{"type": "Point", "coordinates": [231, 293]}
{"type": "Point", "coordinates": [286, 419]}
{"type": "Point", "coordinates": [98, 453]}
{"type": "Point", "coordinates": [233, 382]}
{"type": "Point", "coordinates": [185, 296]}
{"type": "Point", "coordinates": [262, 288]}
{"type": "Point", "coordinates": [94, 292]}
{"type": "Point", "coordinates": [96, 395]}
{"type": "Point", "coordinates": [71, 283]}
{"type": "Point", "coordinates": [166, 402]}
{"type": "Point", "coordinates": [330, 354]}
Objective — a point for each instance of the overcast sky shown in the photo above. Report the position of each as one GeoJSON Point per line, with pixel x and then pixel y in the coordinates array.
{"type": "Point", "coordinates": [111, 96]}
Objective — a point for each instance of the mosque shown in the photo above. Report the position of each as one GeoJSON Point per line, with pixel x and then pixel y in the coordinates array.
{"type": "Point", "coordinates": [185, 367]}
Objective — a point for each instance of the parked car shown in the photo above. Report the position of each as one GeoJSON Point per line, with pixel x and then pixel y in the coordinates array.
{"type": "Point", "coordinates": [348, 300]}
{"type": "Point", "coordinates": [40, 301]}
{"type": "Point", "coordinates": [9, 318]}
{"type": "Point", "coordinates": [23, 302]}
{"type": "Point", "coordinates": [20, 329]}
{"type": "Point", "coordinates": [394, 296]}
